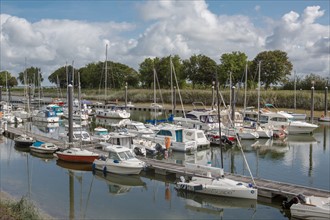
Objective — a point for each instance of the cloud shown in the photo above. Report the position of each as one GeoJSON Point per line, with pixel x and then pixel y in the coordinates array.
{"type": "Point", "coordinates": [168, 27]}
{"type": "Point", "coordinates": [305, 41]}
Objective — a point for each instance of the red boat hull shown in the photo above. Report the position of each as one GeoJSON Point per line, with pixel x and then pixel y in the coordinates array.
{"type": "Point", "coordinates": [77, 158]}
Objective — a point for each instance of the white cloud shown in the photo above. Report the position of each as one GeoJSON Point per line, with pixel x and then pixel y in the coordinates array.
{"type": "Point", "coordinates": [305, 41]}
{"type": "Point", "coordinates": [173, 27]}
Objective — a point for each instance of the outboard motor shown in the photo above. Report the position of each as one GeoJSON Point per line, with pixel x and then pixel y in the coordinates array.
{"type": "Point", "coordinates": [225, 140]}
{"type": "Point", "coordinates": [138, 151]}
{"type": "Point", "coordinates": [299, 198]}
{"type": "Point", "coordinates": [159, 148]}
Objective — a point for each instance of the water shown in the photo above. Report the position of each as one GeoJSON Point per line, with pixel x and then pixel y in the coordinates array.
{"type": "Point", "coordinates": [64, 192]}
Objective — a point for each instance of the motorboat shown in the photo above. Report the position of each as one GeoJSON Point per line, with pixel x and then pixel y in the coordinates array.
{"type": "Point", "coordinates": [309, 207]}
{"type": "Point", "coordinates": [78, 133]}
{"type": "Point", "coordinates": [279, 120]}
{"type": "Point", "coordinates": [56, 108]}
{"type": "Point", "coordinates": [46, 116]}
{"type": "Point", "coordinates": [176, 137]}
{"type": "Point", "coordinates": [100, 134]}
{"type": "Point", "coordinates": [137, 128]}
{"type": "Point", "coordinates": [324, 118]}
{"type": "Point", "coordinates": [76, 155]}
{"type": "Point", "coordinates": [43, 147]}
{"type": "Point", "coordinates": [23, 140]}
{"type": "Point", "coordinates": [204, 119]}
{"type": "Point", "coordinates": [112, 112]}
{"type": "Point", "coordinates": [121, 160]}
{"type": "Point", "coordinates": [218, 186]}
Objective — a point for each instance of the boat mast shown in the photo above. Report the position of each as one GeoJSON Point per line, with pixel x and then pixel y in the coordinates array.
{"type": "Point", "coordinates": [106, 74]}
{"type": "Point", "coordinates": [172, 95]}
{"type": "Point", "coordinates": [219, 118]}
{"type": "Point", "coordinates": [295, 90]}
{"type": "Point", "coordinates": [258, 119]}
{"type": "Point", "coordinates": [245, 90]}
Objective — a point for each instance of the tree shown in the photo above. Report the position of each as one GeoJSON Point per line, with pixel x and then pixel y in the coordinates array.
{"type": "Point", "coordinates": [31, 76]}
{"type": "Point", "coordinates": [200, 70]}
{"type": "Point", "coordinates": [235, 64]}
{"type": "Point", "coordinates": [11, 80]}
{"type": "Point", "coordinates": [146, 72]}
{"type": "Point", "coordinates": [61, 74]}
{"type": "Point", "coordinates": [275, 67]}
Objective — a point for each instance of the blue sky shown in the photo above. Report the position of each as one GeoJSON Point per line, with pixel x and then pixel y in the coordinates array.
{"type": "Point", "coordinates": [49, 33]}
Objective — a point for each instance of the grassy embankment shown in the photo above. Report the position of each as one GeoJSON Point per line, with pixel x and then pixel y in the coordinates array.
{"type": "Point", "coordinates": [10, 209]}
{"type": "Point", "coordinates": [282, 99]}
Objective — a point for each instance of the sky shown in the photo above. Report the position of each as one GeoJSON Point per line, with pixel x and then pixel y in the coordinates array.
{"type": "Point", "coordinates": [50, 33]}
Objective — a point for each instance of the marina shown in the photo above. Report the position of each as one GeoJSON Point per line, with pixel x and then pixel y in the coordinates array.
{"type": "Point", "coordinates": [267, 188]}
{"type": "Point", "coordinates": [272, 186]}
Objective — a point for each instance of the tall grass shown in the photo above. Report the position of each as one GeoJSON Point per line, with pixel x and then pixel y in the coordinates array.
{"type": "Point", "coordinates": [279, 98]}
{"type": "Point", "coordinates": [20, 210]}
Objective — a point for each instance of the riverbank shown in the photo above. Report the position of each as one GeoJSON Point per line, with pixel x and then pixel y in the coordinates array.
{"type": "Point", "coordinates": [12, 209]}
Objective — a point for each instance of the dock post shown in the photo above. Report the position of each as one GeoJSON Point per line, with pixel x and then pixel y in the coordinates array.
{"type": "Point", "coordinates": [125, 95]}
{"type": "Point", "coordinates": [312, 103]}
{"type": "Point", "coordinates": [232, 104]}
{"type": "Point", "coordinates": [326, 102]}
{"type": "Point", "coordinates": [70, 119]}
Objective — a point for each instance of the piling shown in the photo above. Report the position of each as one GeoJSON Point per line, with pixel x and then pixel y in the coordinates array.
{"type": "Point", "coordinates": [326, 101]}
{"type": "Point", "coordinates": [70, 106]}
{"type": "Point", "coordinates": [312, 104]}
{"type": "Point", "coordinates": [232, 104]}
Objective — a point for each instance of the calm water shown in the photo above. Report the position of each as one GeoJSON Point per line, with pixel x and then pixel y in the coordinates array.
{"type": "Point", "coordinates": [67, 193]}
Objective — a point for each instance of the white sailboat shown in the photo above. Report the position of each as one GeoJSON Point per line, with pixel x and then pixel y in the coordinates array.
{"type": "Point", "coordinates": [215, 183]}
{"type": "Point", "coordinates": [110, 111]}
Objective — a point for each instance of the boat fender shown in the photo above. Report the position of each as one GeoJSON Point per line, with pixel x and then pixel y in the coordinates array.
{"type": "Point", "coordinates": [104, 170]}
{"type": "Point", "coordinates": [182, 179]}
{"type": "Point", "coordinates": [93, 168]}
{"type": "Point", "coordinates": [250, 185]}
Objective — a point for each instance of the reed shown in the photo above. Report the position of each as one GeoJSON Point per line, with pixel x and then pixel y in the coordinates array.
{"type": "Point", "coordinates": [280, 98]}
{"type": "Point", "coordinates": [22, 209]}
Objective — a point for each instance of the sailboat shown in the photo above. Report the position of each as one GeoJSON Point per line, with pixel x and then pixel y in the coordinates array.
{"type": "Point", "coordinates": [24, 140]}
{"type": "Point", "coordinates": [110, 111]}
{"type": "Point", "coordinates": [75, 154]}
{"type": "Point", "coordinates": [215, 183]}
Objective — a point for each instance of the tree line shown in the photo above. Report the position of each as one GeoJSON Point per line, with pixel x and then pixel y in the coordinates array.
{"type": "Point", "coordinates": [199, 71]}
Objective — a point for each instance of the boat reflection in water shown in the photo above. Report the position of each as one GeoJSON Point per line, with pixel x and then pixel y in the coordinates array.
{"type": "Point", "coordinates": [44, 157]}
{"type": "Point", "coordinates": [46, 127]}
{"type": "Point", "coordinates": [300, 139]}
{"type": "Point", "coordinates": [120, 184]}
{"type": "Point", "coordinates": [214, 204]}
{"type": "Point", "coordinates": [265, 146]}
{"type": "Point", "coordinates": [177, 157]}
{"type": "Point", "coordinates": [74, 166]}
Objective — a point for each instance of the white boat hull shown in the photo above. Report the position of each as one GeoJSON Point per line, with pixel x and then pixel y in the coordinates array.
{"type": "Point", "coordinates": [220, 187]}
{"type": "Point", "coordinates": [117, 167]}
{"type": "Point", "coordinates": [314, 208]}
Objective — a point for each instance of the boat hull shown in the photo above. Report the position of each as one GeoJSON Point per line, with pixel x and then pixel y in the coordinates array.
{"type": "Point", "coordinates": [118, 168]}
{"type": "Point", "coordinates": [309, 212]}
{"type": "Point", "coordinates": [207, 186]}
{"type": "Point", "coordinates": [76, 158]}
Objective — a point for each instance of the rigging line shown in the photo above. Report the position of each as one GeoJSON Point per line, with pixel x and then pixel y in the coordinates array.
{"type": "Point", "coordinates": [88, 196]}
{"type": "Point", "coordinates": [177, 85]}
{"type": "Point", "coordinates": [238, 141]}
{"type": "Point", "coordinates": [160, 91]}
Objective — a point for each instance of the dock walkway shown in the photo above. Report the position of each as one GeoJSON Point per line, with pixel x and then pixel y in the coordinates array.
{"type": "Point", "coordinates": [266, 188]}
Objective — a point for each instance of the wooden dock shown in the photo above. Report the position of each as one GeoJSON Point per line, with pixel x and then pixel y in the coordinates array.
{"type": "Point", "coordinates": [266, 188]}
